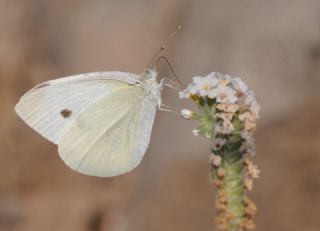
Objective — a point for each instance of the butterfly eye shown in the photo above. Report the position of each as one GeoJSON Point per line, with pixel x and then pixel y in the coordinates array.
{"type": "Point", "coordinates": [137, 83]}
{"type": "Point", "coordinates": [66, 113]}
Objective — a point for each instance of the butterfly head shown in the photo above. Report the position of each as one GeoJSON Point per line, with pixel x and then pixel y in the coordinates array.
{"type": "Point", "coordinates": [150, 74]}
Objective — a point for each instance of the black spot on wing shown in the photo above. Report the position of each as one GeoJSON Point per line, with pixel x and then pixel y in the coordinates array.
{"type": "Point", "coordinates": [66, 113]}
{"type": "Point", "coordinates": [41, 85]}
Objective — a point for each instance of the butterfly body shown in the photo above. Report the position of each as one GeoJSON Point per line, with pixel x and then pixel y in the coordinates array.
{"type": "Point", "coordinates": [101, 121]}
{"type": "Point", "coordinates": [152, 88]}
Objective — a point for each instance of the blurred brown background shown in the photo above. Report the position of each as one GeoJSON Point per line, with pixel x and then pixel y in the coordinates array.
{"type": "Point", "coordinates": [273, 45]}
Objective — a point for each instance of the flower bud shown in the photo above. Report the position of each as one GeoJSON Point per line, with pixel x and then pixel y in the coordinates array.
{"type": "Point", "coordinates": [215, 160]}
{"type": "Point", "coordinates": [196, 132]}
{"type": "Point", "coordinates": [187, 114]}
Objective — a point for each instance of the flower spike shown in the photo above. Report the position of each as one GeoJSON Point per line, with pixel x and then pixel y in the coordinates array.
{"type": "Point", "coordinates": [226, 113]}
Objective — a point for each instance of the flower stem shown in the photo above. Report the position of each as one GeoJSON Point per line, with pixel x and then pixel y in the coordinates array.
{"type": "Point", "coordinates": [231, 189]}
{"type": "Point", "coordinates": [233, 186]}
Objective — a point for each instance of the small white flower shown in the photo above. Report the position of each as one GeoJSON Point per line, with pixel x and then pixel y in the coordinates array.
{"type": "Point", "coordinates": [255, 108]}
{"type": "Point", "coordinates": [227, 77]}
{"type": "Point", "coordinates": [218, 143]}
{"type": "Point", "coordinates": [251, 149]}
{"type": "Point", "coordinates": [223, 94]}
{"type": "Point", "coordinates": [239, 85]}
{"type": "Point", "coordinates": [197, 80]}
{"type": "Point", "coordinates": [247, 136]}
{"type": "Point", "coordinates": [253, 170]}
{"type": "Point", "coordinates": [227, 107]}
{"type": "Point", "coordinates": [183, 94]}
{"type": "Point", "coordinates": [190, 90]}
{"type": "Point", "coordinates": [248, 183]}
{"type": "Point", "coordinates": [219, 76]}
{"type": "Point", "coordinates": [187, 114]}
{"type": "Point", "coordinates": [249, 145]}
{"type": "Point", "coordinates": [227, 126]}
{"type": "Point", "coordinates": [249, 121]}
{"type": "Point", "coordinates": [246, 116]}
{"type": "Point", "coordinates": [252, 104]}
{"type": "Point", "coordinates": [249, 126]}
{"type": "Point", "coordinates": [202, 85]}
{"type": "Point", "coordinates": [215, 160]}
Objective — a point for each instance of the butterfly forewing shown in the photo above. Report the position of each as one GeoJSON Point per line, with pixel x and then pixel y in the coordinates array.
{"type": "Point", "coordinates": [50, 107]}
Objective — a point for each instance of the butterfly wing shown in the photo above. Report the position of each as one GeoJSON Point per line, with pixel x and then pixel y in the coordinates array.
{"type": "Point", "coordinates": [111, 136]}
{"type": "Point", "coordinates": [51, 106]}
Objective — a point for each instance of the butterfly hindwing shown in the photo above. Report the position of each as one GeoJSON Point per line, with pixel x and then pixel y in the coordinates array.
{"type": "Point", "coordinates": [110, 137]}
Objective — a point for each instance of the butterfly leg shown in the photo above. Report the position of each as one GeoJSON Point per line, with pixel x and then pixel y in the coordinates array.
{"type": "Point", "coordinates": [164, 107]}
{"type": "Point", "coordinates": [169, 83]}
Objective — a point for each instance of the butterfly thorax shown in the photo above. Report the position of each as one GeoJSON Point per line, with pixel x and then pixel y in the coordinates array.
{"type": "Point", "coordinates": [151, 86]}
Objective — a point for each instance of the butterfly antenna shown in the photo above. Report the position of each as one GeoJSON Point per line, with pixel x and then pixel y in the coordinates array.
{"type": "Point", "coordinates": [164, 45]}
{"type": "Point", "coordinates": [174, 33]}
{"type": "Point", "coordinates": [155, 55]}
{"type": "Point", "coordinates": [171, 68]}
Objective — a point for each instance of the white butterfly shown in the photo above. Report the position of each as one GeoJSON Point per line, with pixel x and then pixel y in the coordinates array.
{"type": "Point", "coordinates": [101, 121]}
